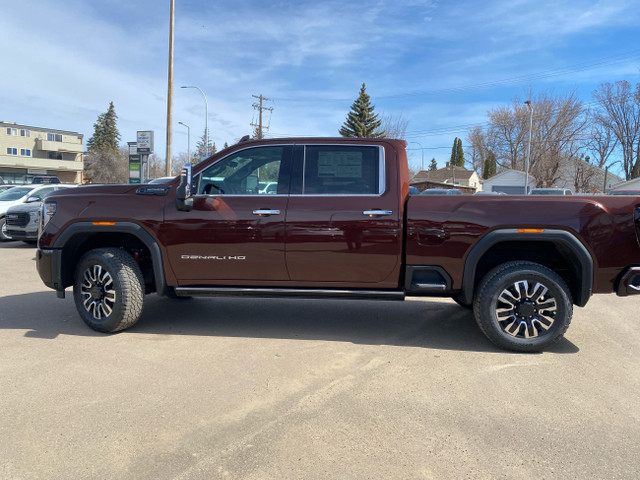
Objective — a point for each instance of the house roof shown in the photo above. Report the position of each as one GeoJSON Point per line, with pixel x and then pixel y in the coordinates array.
{"type": "Point", "coordinates": [443, 174]}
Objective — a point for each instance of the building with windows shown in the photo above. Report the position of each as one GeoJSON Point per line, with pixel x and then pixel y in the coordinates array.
{"type": "Point", "coordinates": [27, 152]}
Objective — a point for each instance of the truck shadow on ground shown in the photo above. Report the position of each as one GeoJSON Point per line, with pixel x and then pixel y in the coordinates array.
{"type": "Point", "coordinates": [435, 324]}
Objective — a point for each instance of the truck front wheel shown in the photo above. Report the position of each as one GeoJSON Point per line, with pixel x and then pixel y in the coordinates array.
{"type": "Point", "coordinates": [108, 289]}
{"type": "Point", "coordinates": [523, 306]}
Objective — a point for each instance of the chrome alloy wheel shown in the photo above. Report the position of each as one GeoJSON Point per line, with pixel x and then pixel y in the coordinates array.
{"type": "Point", "coordinates": [525, 310]}
{"type": "Point", "coordinates": [97, 291]}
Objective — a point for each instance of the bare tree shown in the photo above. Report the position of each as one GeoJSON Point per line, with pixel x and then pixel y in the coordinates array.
{"type": "Point", "coordinates": [393, 127]}
{"type": "Point", "coordinates": [558, 127]}
{"type": "Point", "coordinates": [558, 123]}
{"type": "Point", "coordinates": [156, 167]}
{"type": "Point", "coordinates": [107, 166]}
{"type": "Point", "coordinates": [618, 111]}
{"type": "Point", "coordinates": [601, 143]}
{"type": "Point", "coordinates": [478, 149]}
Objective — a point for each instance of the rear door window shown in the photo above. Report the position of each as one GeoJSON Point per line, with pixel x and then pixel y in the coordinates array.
{"type": "Point", "coordinates": [342, 170]}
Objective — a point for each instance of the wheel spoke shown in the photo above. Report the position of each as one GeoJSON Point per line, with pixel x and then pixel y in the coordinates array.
{"type": "Point", "coordinates": [98, 292]}
{"type": "Point", "coordinates": [524, 309]}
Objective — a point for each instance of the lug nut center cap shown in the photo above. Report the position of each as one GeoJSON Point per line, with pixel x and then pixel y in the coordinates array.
{"type": "Point", "coordinates": [526, 309]}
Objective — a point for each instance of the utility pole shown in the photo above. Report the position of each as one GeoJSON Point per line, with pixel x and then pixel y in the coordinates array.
{"type": "Point", "coordinates": [170, 92]}
{"type": "Point", "coordinates": [260, 109]}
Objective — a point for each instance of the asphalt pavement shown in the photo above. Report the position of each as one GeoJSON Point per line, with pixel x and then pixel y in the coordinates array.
{"type": "Point", "coordinates": [308, 389]}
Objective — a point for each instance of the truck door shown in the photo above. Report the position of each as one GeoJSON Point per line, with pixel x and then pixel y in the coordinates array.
{"type": "Point", "coordinates": [236, 229]}
{"type": "Point", "coordinates": [344, 222]}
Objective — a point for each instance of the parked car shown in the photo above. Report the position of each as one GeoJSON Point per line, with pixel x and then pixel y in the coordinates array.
{"type": "Point", "coordinates": [414, 191]}
{"type": "Point", "coordinates": [268, 188]}
{"type": "Point", "coordinates": [625, 192]}
{"type": "Point", "coordinates": [550, 191]}
{"type": "Point", "coordinates": [489, 193]}
{"type": "Point", "coordinates": [19, 195]}
{"type": "Point", "coordinates": [45, 179]}
{"type": "Point", "coordinates": [21, 221]}
{"type": "Point", "coordinates": [441, 191]}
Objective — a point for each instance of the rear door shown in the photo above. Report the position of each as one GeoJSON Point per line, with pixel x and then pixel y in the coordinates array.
{"type": "Point", "coordinates": [344, 219]}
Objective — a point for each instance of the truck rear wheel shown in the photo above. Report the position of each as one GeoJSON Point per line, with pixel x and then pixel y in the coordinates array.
{"type": "Point", "coordinates": [108, 289]}
{"type": "Point", "coordinates": [523, 306]}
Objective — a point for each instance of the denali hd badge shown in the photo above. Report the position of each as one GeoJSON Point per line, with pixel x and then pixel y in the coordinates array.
{"type": "Point", "coordinates": [213, 257]}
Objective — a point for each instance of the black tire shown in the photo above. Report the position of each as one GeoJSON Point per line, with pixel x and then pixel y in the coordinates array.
{"type": "Point", "coordinates": [4, 237]}
{"type": "Point", "coordinates": [108, 289]}
{"type": "Point", "coordinates": [523, 306]}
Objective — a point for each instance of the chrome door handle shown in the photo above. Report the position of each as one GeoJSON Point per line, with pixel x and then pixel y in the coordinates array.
{"type": "Point", "coordinates": [266, 212]}
{"type": "Point", "coordinates": [377, 213]}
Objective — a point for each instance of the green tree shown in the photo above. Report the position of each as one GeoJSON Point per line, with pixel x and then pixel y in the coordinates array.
{"type": "Point", "coordinates": [361, 122]}
{"type": "Point", "coordinates": [489, 167]}
{"type": "Point", "coordinates": [200, 147]}
{"type": "Point", "coordinates": [457, 154]}
{"type": "Point", "coordinates": [105, 132]}
{"type": "Point", "coordinates": [105, 162]}
{"type": "Point", "coordinates": [433, 166]}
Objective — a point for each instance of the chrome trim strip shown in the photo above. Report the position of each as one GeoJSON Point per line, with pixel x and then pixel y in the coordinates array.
{"type": "Point", "coordinates": [377, 213]}
{"type": "Point", "coordinates": [381, 173]}
{"type": "Point", "coordinates": [291, 292]}
{"type": "Point", "coordinates": [266, 212]}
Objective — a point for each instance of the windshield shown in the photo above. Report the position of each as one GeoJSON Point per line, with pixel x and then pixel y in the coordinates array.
{"type": "Point", "coordinates": [14, 193]}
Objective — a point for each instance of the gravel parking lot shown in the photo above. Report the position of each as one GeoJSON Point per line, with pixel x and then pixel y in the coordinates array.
{"type": "Point", "coordinates": [300, 389]}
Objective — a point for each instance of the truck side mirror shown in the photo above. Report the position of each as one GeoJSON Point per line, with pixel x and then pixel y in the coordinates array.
{"type": "Point", "coordinates": [184, 202]}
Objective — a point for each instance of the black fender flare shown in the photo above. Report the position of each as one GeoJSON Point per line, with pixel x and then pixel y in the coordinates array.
{"type": "Point", "coordinates": [119, 227]}
{"type": "Point", "coordinates": [563, 238]}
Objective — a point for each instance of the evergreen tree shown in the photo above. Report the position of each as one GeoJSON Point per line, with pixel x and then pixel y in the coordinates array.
{"type": "Point", "coordinates": [105, 132]}
{"type": "Point", "coordinates": [489, 168]}
{"type": "Point", "coordinates": [457, 155]}
{"type": "Point", "coordinates": [433, 166]}
{"type": "Point", "coordinates": [200, 147]}
{"type": "Point", "coordinates": [361, 122]}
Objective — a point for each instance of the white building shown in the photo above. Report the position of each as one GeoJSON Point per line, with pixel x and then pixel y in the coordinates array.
{"type": "Point", "coordinates": [508, 181]}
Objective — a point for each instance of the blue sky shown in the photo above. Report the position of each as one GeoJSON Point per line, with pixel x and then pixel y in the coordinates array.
{"type": "Point", "coordinates": [440, 65]}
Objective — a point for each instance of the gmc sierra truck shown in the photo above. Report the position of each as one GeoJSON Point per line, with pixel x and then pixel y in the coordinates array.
{"type": "Point", "coordinates": [334, 218]}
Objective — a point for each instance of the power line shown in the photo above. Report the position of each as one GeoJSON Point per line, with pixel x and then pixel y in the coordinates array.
{"type": "Point", "coordinates": [528, 78]}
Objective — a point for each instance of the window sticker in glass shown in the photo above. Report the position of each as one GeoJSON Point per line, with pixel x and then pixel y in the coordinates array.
{"type": "Point", "coordinates": [340, 164]}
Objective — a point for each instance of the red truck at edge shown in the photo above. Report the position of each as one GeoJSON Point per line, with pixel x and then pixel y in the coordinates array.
{"type": "Point", "coordinates": [333, 218]}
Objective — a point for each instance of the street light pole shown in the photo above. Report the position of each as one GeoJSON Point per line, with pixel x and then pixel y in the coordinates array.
{"type": "Point", "coordinates": [422, 151]}
{"type": "Point", "coordinates": [526, 162]}
{"type": "Point", "coordinates": [188, 140]}
{"type": "Point", "coordinates": [206, 118]}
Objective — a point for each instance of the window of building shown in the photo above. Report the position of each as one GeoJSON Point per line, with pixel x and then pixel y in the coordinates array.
{"type": "Point", "coordinates": [12, 151]}
{"type": "Point", "coordinates": [54, 137]}
{"type": "Point", "coordinates": [12, 131]}
{"type": "Point", "coordinates": [25, 133]}
{"type": "Point", "coordinates": [25, 152]}
{"type": "Point", "coordinates": [54, 156]}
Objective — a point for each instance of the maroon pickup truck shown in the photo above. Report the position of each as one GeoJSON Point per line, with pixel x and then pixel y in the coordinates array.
{"type": "Point", "coordinates": [334, 218]}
